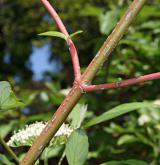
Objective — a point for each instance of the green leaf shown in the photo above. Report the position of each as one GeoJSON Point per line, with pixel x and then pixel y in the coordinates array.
{"type": "Point", "coordinates": [6, 128]}
{"type": "Point", "coordinates": [8, 100]}
{"type": "Point", "coordinates": [4, 160]}
{"type": "Point", "coordinates": [117, 111]}
{"type": "Point", "coordinates": [144, 139]}
{"type": "Point", "coordinates": [125, 139]}
{"type": "Point", "coordinates": [54, 34]}
{"type": "Point", "coordinates": [111, 163]}
{"type": "Point", "coordinates": [28, 96]}
{"type": "Point", "coordinates": [51, 152]}
{"type": "Point", "coordinates": [4, 91]}
{"type": "Point", "coordinates": [77, 148]}
{"type": "Point", "coordinates": [150, 25]}
{"type": "Point", "coordinates": [90, 10]}
{"type": "Point", "coordinates": [77, 115]}
{"type": "Point", "coordinates": [149, 12]}
{"type": "Point", "coordinates": [135, 162]}
{"type": "Point", "coordinates": [126, 162]}
{"type": "Point", "coordinates": [108, 21]}
{"type": "Point", "coordinates": [75, 33]}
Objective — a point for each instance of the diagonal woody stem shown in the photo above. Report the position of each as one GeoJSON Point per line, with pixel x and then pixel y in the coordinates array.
{"type": "Point", "coordinates": [76, 93]}
{"type": "Point", "coordinates": [72, 48]}
{"type": "Point", "coordinates": [136, 80]}
{"type": "Point", "coordinates": [112, 41]}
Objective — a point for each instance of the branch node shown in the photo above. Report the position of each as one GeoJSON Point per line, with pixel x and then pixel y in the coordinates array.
{"type": "Point", "coordinates": [118, 84]}
{"type": "Point", "coordinates": [80, 85]}
{"type": "Point", "coordinates": [83, 91]}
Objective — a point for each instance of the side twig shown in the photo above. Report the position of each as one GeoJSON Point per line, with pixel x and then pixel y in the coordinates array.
{"type": "Point", "coordinates": [72, 48]}
{"type": "Point", "coordinates": [61, 158]}
{"type": "Point", "coordinates": [77, 90]}
{"type": "Point", "coordinates": [136, 80]}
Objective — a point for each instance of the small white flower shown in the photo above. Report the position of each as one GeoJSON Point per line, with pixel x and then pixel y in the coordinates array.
{"type": "Point", "coordinates": [157, 102]}
{"type": "Point", "coordinates": [44, 96]}
{"type": "Point", "coordinates": [64, 130]}
{"type": "Point", "coordinates": [26, 136]}
{"type": "Point", "coordinates": [143, 119]}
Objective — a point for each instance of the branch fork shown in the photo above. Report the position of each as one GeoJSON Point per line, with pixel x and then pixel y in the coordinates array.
{"type": "Point", "coordinates": [80, 84]}
{"type": "Point", "coordinates": [72, 48]}
{"type": "Point", "coordinates": [76, 66]}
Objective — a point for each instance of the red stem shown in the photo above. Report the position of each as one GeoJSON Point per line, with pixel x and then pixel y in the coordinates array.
{"type": "Point", "coordinates": [123, 83]}
{"type": "Point", "coordinates": [72, 48]}
{"type": "Point", "coordinates": [75, 94]}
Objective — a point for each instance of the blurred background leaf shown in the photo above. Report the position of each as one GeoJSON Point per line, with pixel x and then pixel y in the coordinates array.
{"type": "Point", "coordinates": [40, 71]}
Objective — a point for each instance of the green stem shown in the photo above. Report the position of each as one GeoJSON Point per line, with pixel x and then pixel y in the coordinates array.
{"type": "Point", "coordinates": [61, 159]}
{"type": "Point", "coordinates": [8, 149]}
{"type": "Point", "coordinates": [112, 41]}
{"type": "Point", "coordinates": [45, 156]}
{"type": "Point", "coordinates": [76, 92]}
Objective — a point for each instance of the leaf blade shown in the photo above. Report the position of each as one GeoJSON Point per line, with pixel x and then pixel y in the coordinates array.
{"type": "Point", "coordinates": [77, 148]}
{"type": "Point", "coordinates": [75, 33]}
{"type": "Point", "coordinates": [54, 34]}
{"type": "Point", "coordinates": [8, 100]}
{"type": "Point", "coordinates": [117, 111]}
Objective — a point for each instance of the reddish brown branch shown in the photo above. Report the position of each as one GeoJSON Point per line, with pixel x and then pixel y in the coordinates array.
{"type": "Point", "coordinates": [72, 48]}
{"type": "Point", "coordinates": [75, 94]}
{"type": "Point", "coordinates": [136, 80]}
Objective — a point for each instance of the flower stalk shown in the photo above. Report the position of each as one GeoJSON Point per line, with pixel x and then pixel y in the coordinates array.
{"type": "Point", "coordinates": [9, 150]}
{"type": "Point", "coordinates": [81, 83]}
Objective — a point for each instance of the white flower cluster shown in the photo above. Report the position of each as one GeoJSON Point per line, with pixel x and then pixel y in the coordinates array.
{"type": "Point", "coordinates": [150, 116]}
{"type": "Point", "coordinates": [64, 130]}
{"type": "Point", "coordinates": [143, 119]}
{"type": "Point", "coordinates": [26, 136]}
{"type": "Point", "coordinates": [157, 102]}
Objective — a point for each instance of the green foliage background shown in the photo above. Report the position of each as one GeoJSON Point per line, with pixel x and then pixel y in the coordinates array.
{"type": "Point", "coordinates": [138, 53]}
